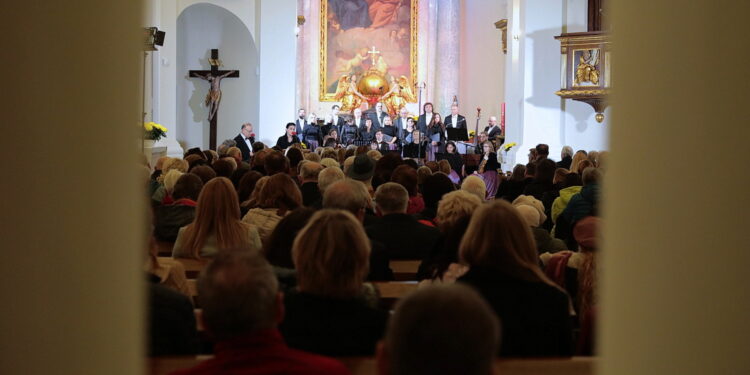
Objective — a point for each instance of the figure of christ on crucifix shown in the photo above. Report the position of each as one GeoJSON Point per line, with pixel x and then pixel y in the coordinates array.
{"type": "Point", "coordinates": [213, 98]}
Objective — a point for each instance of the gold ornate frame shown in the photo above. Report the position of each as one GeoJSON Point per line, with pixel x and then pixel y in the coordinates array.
{"type": "Point", "coordinates": [326, 97]}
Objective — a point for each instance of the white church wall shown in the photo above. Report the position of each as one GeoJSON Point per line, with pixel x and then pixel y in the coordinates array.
{"type": "Point", "coordinates": [277, 46]}
{"type": "Point", "coordinates": [534, 113]}
{"type": "Point", "coordinates": [580, 129]}
{"type": "Point", "coordinates": [201, 27]}
{"type": "Point", "coordinates": [482, 63]}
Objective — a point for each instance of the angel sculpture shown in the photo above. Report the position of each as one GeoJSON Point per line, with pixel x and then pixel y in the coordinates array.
{"type": "Point", "coordinates": [586, 70]}
{"type": "Point", "coordinates": [348, 94]}
{"type": "Point", "coordinates": [399, 94]}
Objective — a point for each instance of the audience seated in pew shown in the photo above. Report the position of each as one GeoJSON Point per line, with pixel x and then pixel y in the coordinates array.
{"type": "Point", "coordinates": [401, 234]}
{"type": "Point", "coordinates": [217, 224]}
{"type": "Point", "coordinates": [332, 312]}
{"type": "Point", "coordinates": [242, 308]}
{"type": "Point", "coordinates": [483, 245]}
{"type": "Point", "coordinates": [277, 197]}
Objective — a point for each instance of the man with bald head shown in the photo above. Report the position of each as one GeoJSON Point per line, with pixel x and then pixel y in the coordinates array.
{"type": "Point", "coordinates": [493, 128]}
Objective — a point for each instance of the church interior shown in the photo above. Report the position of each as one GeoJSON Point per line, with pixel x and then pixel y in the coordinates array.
{"type": "Point", "coordinates": [463, 125]}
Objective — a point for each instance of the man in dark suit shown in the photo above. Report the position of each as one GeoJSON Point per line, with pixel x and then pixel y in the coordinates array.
{"type": "Point", "coordinates": [377, 116]}
{"type": "Point", "coordinates": [301, 122]}
{"type": "Point", "coordinates": [245, 141]}
{"type": "Point", "coordinates": [454, 120]}
{"type": "Point", "coordinates": [403, 236]}
{"type": "Point", "coordinates": [424, 118]}
{"type": "Point", "coordinates": [493, 129]}
{"type": "Point", "coordinates": [337, 122]}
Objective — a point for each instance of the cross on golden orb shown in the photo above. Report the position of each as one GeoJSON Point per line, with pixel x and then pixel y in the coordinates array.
{"type": "Point", "coordinates": [372, 53]}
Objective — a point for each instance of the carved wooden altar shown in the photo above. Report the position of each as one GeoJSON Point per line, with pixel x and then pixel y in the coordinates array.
{"type": "Point", "coordinates": [585, 64]}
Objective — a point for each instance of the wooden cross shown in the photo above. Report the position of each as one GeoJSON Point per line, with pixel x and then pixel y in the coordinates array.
{"type": "Point", "coordinates": [214, 77]}
{"type": "Point", "coordinates": [373, 52]}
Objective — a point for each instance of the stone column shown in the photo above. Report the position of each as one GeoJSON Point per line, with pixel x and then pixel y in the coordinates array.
{"type": "Point", "coordinates": [675, 298]}
{"type": "Point", "coordinates": [447, 55]}
{"type": "Point", "coordinates": [73, 206]}
{"type": "Point", "coordinates": [303, 63]}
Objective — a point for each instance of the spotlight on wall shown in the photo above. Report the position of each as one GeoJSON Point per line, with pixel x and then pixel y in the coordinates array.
{"type": "Point", "coordinates": [152, 38]}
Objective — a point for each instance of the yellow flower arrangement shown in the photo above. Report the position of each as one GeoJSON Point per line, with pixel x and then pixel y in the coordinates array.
{"type": "Point", "coordinates": [471, 133]}
{"type": "Point", "coordinates": [154, 131]}
{"type": "Point", "coordinates": [508, 146]}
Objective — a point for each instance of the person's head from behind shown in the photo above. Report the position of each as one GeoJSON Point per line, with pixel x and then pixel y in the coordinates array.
{"type": "Point", "coordinates": [278, 250]}
{"type": "Point", "coordinates": [235, 153]}
{"type": "Point", "coordinates": [545, 171]}
{"type": "Point", "coordinates": [223, 168]}
{"type": "Point", "coordinates": [170, 179]}
{"type": "Point", "coordinates": [591, 176]}
{"type": "Point", "coordinates": [406, 176]}
{"type": "Point", "coordinates": [217, 213]}
{"type": "Point", "coordinates": [542, 151]}
{"type": "Point", "coordinates": [294, 155]}
{"type": "Point", "coordinates": [444, 166]}
{"type": "Point", "coordinates": [309, 171]}
{"type": "Point", "coordinates": [205, 173]}
{"type": "Point", "coordinates": [275, 162]}
{"type": "Point", "coordinates": [331, 255]}
{"type": "Point", "coordinates": [328, 176]}
{"type": "Point", "coordinates": [420, 341]}
{"type": "Point", "coordinates": [499, 239]}
{"type": "Point", "coordinates": [239, 295]}
{"type": "Point", "coordinates": [560, 174]}
{"type": "Point", "coordinates": [455, 207]}
{"type": "Point", "coordinates": [476, 186]}
{"type": "Point", "coordinates": [566, 151]}
{"type": "Point", "coordinates": [280, 192]}
{"type": "Point", "coordinates": [435, 187]}
{"type": "Point", "coordinates": [519, 171]}
{"type": "Point", "coordinates": [188, 186]}
{"type": "Point", "coordinates": [578, 157]}
{"type": "Point", "coordinates": [350, 195]}
{"type": "Point", "coordinates": [391, 198]}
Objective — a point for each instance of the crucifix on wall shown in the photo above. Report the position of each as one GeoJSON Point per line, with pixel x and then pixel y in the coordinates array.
{"type": "Point", "coordinates": [213, 98]}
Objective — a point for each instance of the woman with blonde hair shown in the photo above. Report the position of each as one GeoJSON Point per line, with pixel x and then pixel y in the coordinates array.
{"type": "Point", "coordinates": [276, 198]}
{"type": "Point", "coordinates": [217, 224]}
{"type": "Point", "coordinates": [487, 169]}
{"type": "Point", "coordinates": [328, 313]}
{"type": "Point", "coordinates": [579, 156]}
{"type": "Point", "coordinates": [503, 265]}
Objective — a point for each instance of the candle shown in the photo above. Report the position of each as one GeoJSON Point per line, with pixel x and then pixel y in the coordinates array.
{"type": "Point", "coordinates": [502, 117]}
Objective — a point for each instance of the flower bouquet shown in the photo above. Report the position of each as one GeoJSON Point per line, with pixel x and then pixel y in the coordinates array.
{"type": "Point", "coordinates": [154, 131]}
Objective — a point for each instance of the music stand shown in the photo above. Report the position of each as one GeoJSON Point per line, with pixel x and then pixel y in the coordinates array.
{"type": "Point", "coordinates": [457, 134]}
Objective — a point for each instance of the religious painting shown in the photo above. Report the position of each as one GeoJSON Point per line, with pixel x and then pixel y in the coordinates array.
{"type": "Point", "coordinates": [587, 72]}
{"type": "Point", "coordinates": [368, 50]}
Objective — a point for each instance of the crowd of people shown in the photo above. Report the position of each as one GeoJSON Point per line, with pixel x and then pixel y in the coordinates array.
{"type": "Point", "coordinates": [293, 237]}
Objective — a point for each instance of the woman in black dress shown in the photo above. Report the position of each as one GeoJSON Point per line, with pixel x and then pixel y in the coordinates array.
{"type": "Point", "coordinates": [289, 138]}
{"type": "Point", "coordinates": [456, 162]}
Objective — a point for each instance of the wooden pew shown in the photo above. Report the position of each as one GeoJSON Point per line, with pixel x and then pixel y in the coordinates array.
{"type": "Point", "coordinates": [390, 291]}
{"type": "Point", "coordinates": [193, 267]}
{"type": "Point", "coordinates": [163, 248]}
{"type": "Point", "coordinates": [367, 366]}
{"type": "Point", "coordinates": [405, 270]}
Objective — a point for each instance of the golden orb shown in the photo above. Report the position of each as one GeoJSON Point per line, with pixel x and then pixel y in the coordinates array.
{"type": "Point", "coordinates": [599, 117]}
{"type": "Point", "coordinates": [373, 84]}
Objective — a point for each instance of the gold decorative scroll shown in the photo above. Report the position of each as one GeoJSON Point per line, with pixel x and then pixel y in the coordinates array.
{"type": "Point", "coordinates": [503, 26]}
{"type": "Point", "coordinates": [326, 83]}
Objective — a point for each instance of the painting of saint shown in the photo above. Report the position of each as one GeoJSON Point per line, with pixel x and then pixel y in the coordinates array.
{"type": "Point", "coordinates": [363, 36]}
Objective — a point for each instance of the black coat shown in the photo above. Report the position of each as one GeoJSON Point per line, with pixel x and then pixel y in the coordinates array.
{"type": "Point", "coordinates": [535, 316]}
{"type": "Point", "coordinates": [310, 194]}
{"type": "Point", "coordinates": [171, 329]}
{"type": "Point", "coordinates": [168, 219]}
{"type": "Point", "coordinates": [332, 326]}
{"type": "Point", "coordinates": [242, 145]}
{"type": "Point", "coordinates": [403, 236]}
{"type": "Point", "coordinates": [283, 143]}
{"type": "Point", "coordinates": [460, 124]}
